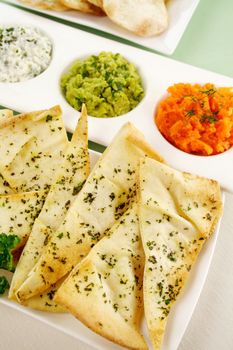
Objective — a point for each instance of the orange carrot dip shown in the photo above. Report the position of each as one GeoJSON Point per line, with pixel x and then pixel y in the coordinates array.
{"type": "Point", "coordinates": [197, 119]}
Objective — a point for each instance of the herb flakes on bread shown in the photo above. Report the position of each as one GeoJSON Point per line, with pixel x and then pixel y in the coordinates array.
{"type": "Point", "coordinates": [104, 291]}
{"type": "Point", "coordinates": [177, 213]}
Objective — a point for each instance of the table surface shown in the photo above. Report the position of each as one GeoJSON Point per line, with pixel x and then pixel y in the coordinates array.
{"type": "Point", "coordinates": [207, 43]}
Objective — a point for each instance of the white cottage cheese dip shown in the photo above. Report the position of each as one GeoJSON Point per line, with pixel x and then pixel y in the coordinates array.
{"type": "Point", "coordinates": [25, 52]}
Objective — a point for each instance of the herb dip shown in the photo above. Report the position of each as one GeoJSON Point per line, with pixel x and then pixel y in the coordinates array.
{"type": "Point", "coordinates": [25, 52]}
{"type": "Point", "coordinates": [108, 84]}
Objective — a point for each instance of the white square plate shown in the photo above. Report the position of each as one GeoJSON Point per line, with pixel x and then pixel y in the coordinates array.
{"type": "Point", "coordinates": [180, 12]}
{"type": "Point", "coordinates": [178, 319]}
{"type": "Point", "coordinates": [157, 72]}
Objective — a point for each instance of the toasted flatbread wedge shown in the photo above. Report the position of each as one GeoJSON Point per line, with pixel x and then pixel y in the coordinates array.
{"type": "Point", "coordinates": [18, 212]}
{"type": "Point", "coordinates": [31, 146]}
{"type": "Point", "coordinates": [69, 179]}
{"type": "Point", "coordinates": [177, 212]}
{"type": "Point", "coordinates": [55, 5]}
{"type": "Point", "coordinates": [104, 198]}
{"type": "Point", "coordinates": [104, 291]}
{"type": "Point", "coordinates": [83, 6]}
{"type": "Point", "coordinates": [144, 18]}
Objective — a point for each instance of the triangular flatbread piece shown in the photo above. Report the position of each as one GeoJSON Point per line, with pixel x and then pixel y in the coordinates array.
{"type": "Point", "coordinates": [31, 146]}
{"type": "Point", "coordinates": [104, 198]}
{"type": "Point", "coordinates": [177, 213]}
{"type": "Point", "coordinates": [143, 18]}
{"type": "Point", "coordinates": [69, 179]}
{"type": "Point", "coordinates": [104, 291]}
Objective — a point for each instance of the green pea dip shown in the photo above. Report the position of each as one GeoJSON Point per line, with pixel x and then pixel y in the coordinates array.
{"type": "Point", "coordinates": [108, 84]}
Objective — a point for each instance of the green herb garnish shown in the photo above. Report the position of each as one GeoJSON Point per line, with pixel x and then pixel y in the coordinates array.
{"type": "Point", "coordinates": [190, 113]}
{"type": "Point", "coordinates": [7, 244]}
{"type": "Point", "coordinates": [209, 92]}
{"type": "Point", "coordinates": [4, 284]}
{"type": "Point", "coordinates": [211, 118]}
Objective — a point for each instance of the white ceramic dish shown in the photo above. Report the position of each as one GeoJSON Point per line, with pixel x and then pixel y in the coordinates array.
{"type": "Point", "coordinates": [157, 72]}
{"type": "Point", "coordinates": [178, 318]}
{"type": "Point", "coordinates": [180, 12]}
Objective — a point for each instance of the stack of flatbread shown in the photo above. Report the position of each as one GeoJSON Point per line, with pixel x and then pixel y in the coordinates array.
{"type": "Point", "coordinates": [108, 245]}
{"type": "Point", "coordinates": [142, 17]}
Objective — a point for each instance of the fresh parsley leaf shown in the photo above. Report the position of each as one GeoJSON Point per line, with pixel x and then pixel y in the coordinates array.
{"type": "Point", "coordinates": [7, 244]}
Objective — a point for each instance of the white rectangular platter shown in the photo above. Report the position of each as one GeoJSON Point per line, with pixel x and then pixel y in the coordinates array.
{"type": "Point", "coordinates": [178, 319]}
{"type": "Point", "coordinates": [157, 72]}
{"type": "Point", "coordinates": [179, 11]}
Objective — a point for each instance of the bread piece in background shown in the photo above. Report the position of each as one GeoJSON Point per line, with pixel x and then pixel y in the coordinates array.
{"type": "Point", "coordinates": [83, 6]}
{"type": "Point", "coordinates": [55, 5]}
{"type": "Point", "coordinates": [177, 213]}
{"type": "Point", "coordinates": [98, 3]}
{"type": "Point", "coordinates": [142, 17]}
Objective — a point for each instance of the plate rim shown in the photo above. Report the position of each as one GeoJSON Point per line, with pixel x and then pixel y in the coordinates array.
{"type": "Point", "coordinates": [62, 16]}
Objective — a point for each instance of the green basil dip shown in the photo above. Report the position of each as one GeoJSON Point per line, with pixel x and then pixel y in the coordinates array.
{"type": "Point", "coordinates": [108, 84]}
